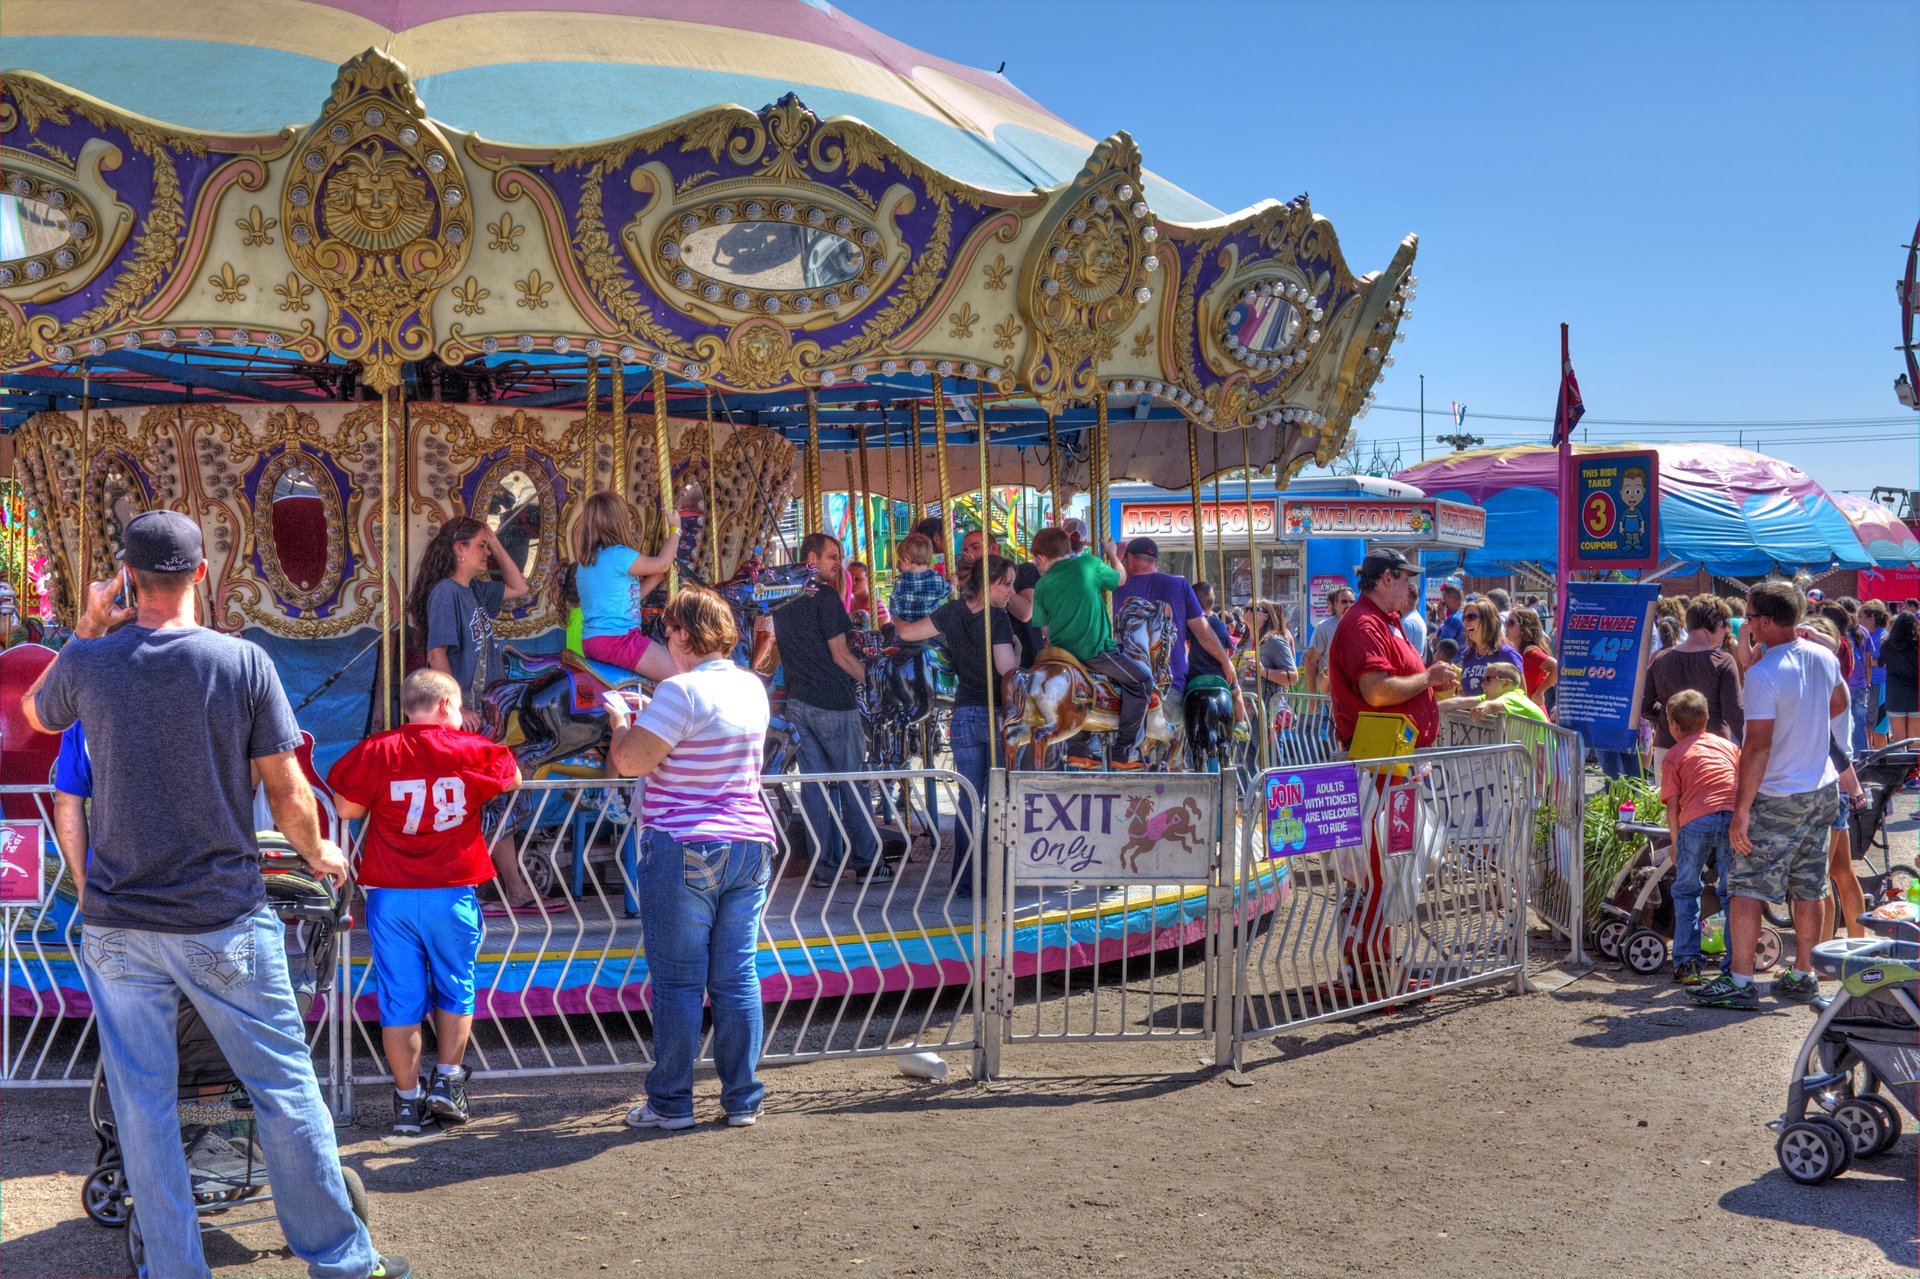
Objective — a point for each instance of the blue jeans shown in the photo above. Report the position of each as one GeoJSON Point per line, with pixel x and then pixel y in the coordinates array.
{"type": "Point", "coordinates": [700, 904]}
{"type": "Point", "coordinates": [1701, 838]}
{"type": "Point", "coordinates": [974, 752]}
{"type": "Point", "coordinates": [1862, 717]}
{"type": "Point", "coordinates": [1618, 763]}
{"type": "Point", "coordinates": [236, 979]}
{"type": "Point", "coordinates": [834, 742]}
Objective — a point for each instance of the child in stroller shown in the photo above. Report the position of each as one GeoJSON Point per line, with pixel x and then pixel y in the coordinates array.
{"type": "Point", "coordinates": [1863, 1038]}
{"type": "Point", "coordinates": [217, 1123]}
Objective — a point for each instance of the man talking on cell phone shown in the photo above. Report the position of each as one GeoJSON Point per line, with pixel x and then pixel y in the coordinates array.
{"type": "Point", "coordinates": [177, 715]}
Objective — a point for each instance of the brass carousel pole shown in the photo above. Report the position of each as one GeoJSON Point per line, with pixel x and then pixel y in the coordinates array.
{"type": "Point", "coordinates": [593, 426]}
{"type": "Point", "coordinates": [86, 519]}
{"type": "Point", "coordinates": [1097, 481]}
{"type": "Point", "coordinates": [663, 469]}
{"type": "Point", "coordinates": [850, 546]}
{"type": "Point", "coordinates": [986, 589]}
{"type": "Point", "coordinates": [813, 512]}
{"type": "Point", "coordinates": [394, 517]}
{"type": "Point", "coordinates": [1253, 591]}
{"type": "Point", "coordinates": [946, 482]}
{"type": "Point", "coordinates": [622, 477]}
{"type": "Point", "coordinates": [886, 505]}
{"type": "Point", "coordinates": [915, 474]}
{"type": "Point", "coordinates": [712, 523]}
{"type": "Point", "coordinates": [866, 506]}
{"type": "Point", "coordinates": [1053, 469]}
{"type": "Point", "coordinates": [1222, 596]}
{"type": "Point", "coordinates": [1199, 525]}
{"type": "Point", "coordinates": [386, 560]}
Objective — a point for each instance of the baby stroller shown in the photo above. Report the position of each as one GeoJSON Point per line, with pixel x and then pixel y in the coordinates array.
{"type": "Point", "coordinates": [1863, 1039]}
{"type": "Point", "coordinates": [217, 1123]}
{"type": "Point", "coordinates": [1882, 772]}
{"type": "Point", "coordinates": [1635, 926]}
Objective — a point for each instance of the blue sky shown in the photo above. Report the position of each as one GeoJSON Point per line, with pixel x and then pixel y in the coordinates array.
{"type": "Point", "coordinates": [1714, 195]}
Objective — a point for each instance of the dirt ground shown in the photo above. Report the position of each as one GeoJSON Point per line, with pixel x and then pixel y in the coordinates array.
{"type": "Point", "coordinates": [1599, 1126]}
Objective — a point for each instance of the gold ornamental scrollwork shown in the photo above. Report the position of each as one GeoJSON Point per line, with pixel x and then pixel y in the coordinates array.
{"type": "Point", "coordinates": [1088, 277]}
{"type": "Point", "coordinates": [377, 215]}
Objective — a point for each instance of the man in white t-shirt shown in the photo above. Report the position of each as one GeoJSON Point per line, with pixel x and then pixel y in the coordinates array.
{"type": "Point", "coordinates": [1339, 600]}
{"type": "Point", "coordinates": [1787, 799]}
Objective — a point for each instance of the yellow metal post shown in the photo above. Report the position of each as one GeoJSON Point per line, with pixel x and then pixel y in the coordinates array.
{"type": "Point", "coordinates": [946, 484]}
{"type": "Point", "coordinates": [622, 475]}
{"type": "Point", "coordinates": [386, 561]}
{"type": "Point", "coordinates": [663, 467]}
{"type": "Point", "coordinates": [1053, 469]}
{"type": "Point", "coordinates": [916, 475]}
{"type": "Point", "coordinates": [813, 513]}
{"type": "Point", "coordinates": [593, 429]}
{"type": "Point", "coordinates": [712, 523]}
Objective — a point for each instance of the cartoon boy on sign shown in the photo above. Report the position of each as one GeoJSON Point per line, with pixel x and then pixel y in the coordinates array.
{"type": "Point", "coordinates": [1633, 516]}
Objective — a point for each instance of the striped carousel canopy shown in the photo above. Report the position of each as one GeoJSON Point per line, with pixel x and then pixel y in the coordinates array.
{"type": "Point", "coordinates": [553, 72]}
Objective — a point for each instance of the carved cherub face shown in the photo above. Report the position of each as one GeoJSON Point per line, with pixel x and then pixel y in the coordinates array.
{"type": "Point", "coordinates": [1090, 256]}
{"type": "Point", "coordinates": [375, 200]}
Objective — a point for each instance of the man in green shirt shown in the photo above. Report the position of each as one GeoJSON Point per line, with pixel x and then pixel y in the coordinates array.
{"type": "Point", "coordinates": [1070, 611]}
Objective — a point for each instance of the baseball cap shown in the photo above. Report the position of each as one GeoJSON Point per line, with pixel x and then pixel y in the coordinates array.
{"type": "Point", "coordinates": [1144, 546]}
{"type": "Point", "coordinates": [1076, 527]}
{"type": "Point", "coordinates": [162, 542]}
{"type": "Point", "coordinates": [1816, 594]}
{"type": "Point", "coordinates": [1384, 560]}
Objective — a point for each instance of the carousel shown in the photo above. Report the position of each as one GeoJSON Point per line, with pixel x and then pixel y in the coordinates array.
{"type": "Point", "coordinates": [324, 281]}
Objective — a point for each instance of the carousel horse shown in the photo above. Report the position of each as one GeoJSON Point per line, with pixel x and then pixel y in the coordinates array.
{"type": "Point", "coordinates": [548, 708]}
{"type": "Point", "coordinates": [1209, 723]}
{"type": "Point", "coordinates": [1059, 698]}
{"type": "Point", "coordinates": [898, 696]}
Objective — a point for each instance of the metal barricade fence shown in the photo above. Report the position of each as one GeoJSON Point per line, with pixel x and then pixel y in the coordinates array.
{"type": "Point", "coordinates": [1428, 894]}
{"type": "Point", "coordinates": [1113, 893]}
{"type": "Point", "coordinates": [852, 965]}
{"type": "Point", "coordinates": [1300, 729]}
{"type": "Point", "coordinates": [1556, 815]}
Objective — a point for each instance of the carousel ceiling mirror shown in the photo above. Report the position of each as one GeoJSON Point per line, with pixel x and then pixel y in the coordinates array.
{"type": "Point", "coordinates": [513, 510]}
{"type": "Point", "coordinates": [30, 227]}
{"type": "Point", "coordinates": [1262, 322]}
{"type": "Point", "coordinates": [121, 499]}
{"type": "Point", "coordinates": [301, 531]}
{"type": "Point", "coordinates": [772, 255]}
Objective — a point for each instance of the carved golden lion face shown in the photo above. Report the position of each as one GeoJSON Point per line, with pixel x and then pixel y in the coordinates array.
{"type": "Point", "coordinates": [375, 201]}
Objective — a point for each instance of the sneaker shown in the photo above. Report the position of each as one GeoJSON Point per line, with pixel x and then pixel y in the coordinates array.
{"type": "Point", "coordinates": [1687, 973]}
{"type": "Point", "coordinates": [645, 1116]}
{"type": "Point", "coordinates": [448, 1096]}
{"type": "Point", "coordinates": [411, 1118]}
{"type": "Point", "coordinates": [747, 1120]}
{"type": "Point", "coordinates": [1725, 992]}
{"type": "Point", "coordinates": [1799, 990]}
{"type": "Point", "coordinates": [391, 1266]}
{"type": "Point", "coordinates": [877, 873]}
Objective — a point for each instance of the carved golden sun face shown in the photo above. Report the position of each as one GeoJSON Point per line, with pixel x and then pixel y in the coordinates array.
{"type": "Point", "coordinates": [376, 202]}
{"type": "Point", "coordinates": [1093, 267]}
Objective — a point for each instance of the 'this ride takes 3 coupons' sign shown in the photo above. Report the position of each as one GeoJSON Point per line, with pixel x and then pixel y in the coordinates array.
{"type": "Point", "coordinates": [1617, 510]}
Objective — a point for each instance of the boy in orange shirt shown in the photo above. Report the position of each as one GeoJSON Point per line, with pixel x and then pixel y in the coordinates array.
{"type": "Point", "coordinates": [1697, 784]}
{"type": "Point", "coordinates": [422, 788]}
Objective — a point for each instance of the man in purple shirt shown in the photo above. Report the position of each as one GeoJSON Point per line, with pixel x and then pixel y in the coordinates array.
{"type": "Point", "coordinates": [1146, 581]}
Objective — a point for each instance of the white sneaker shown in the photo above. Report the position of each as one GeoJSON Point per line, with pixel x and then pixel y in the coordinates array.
{"type": "Point", "coordinates": [747, 1120]}
{"type": "Point", "coordinates": [645, 1116]}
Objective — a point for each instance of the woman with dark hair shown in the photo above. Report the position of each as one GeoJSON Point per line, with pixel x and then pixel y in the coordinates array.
{"type": "Point", "coordinates": [454, 611]}
{"type": "Point", "coordinates": [1484, 646]}
{"type": "Point", "coordinates": [707, 861]}
{"type": "Point", "coordinates": [1856, 663]}
{"type": "Point", "coordinates": [1900, 654]}
{"type": "Point", "coordinates": [957, 625]}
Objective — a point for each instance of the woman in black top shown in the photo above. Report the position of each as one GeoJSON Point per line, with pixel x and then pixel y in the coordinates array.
{"type": "Point", "coordinates": [957, 624]}
{"type": "Point", "coordinates": [1900, 654]}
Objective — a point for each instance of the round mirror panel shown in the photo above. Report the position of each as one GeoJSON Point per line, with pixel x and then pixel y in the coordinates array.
{"type": "Point", "coordinates": [1264, 325]}
{"type": "Point", "coordinates": [772, 255]}
{"type": "Point", "coordinates": [30, 227]}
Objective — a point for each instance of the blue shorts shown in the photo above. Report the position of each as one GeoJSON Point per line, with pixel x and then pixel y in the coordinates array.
{"type": "Point", "coordinates": [425, 942]}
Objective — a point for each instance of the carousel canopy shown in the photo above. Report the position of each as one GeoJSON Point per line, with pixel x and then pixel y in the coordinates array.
{"type": "Point", "coordinates": [503, 201]}
{"type": "Point", "coordinates": [1734, 513]}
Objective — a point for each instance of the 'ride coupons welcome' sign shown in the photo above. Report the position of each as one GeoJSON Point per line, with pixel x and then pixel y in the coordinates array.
{"type": "Point", "coordinates": [1617, 510]}
{"type": "Point", "coordinates": [1314, 810]}
{"type": "Point", "coordinates": [1112, 827]}
{"type": "Point", "coordinates": [1603, 647]}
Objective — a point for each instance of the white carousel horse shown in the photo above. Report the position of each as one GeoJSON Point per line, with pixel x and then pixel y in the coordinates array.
{"type": "Point", "coordinates": [1059, 698]}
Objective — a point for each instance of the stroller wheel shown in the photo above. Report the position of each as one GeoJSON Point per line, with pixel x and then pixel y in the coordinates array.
{"type": "Point", "coordinates": [1609, 935]}
{"type": "Point", "coordinates": [1767, 950]}
{"type": "Point", "coordinates": [356, 1193]}
{"type": "Point", "coordinates": [1644, 951]}
{"type": "Point", "coordinates": [1809, 1151]}
{"type": "Point", "coordinates": [1871, 1124]}
{"type": "Point", "coordinates": [1780, 915]}
{"type": "Point", "coordinates": [104, 1196]}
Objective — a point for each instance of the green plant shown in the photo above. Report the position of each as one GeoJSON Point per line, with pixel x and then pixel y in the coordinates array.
{"type": "Point", "coordinates": [1607, 851]}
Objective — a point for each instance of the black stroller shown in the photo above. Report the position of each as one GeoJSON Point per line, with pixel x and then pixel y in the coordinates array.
{"type": "Point", "coordinates": [1862, 1042]}
{"type": "Point", "coordinates": [217, 1123]}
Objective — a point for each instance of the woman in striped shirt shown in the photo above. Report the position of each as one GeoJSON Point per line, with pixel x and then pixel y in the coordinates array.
{"type": "Point", "coordinates": [706, 861]}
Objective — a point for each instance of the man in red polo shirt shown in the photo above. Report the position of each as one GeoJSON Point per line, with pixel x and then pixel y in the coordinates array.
{"type": "Point", "coordinates": [1371, 666]}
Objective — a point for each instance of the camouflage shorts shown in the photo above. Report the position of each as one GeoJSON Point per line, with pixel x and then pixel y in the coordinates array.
{"type": "Point", "coordinates": [1789, 859]}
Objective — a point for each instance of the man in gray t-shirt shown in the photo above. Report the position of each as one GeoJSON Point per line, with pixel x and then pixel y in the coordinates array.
{"type": "Point", "coordinates": [178, 718]}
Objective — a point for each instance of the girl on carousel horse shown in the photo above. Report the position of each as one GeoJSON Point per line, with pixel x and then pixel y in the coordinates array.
{"type": "Point", "coordinates": [613, 579]}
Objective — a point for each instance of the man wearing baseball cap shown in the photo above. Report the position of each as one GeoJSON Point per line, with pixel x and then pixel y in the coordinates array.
{"type": "Point", "coordinates": [177, 718]}
{"type": "Point", "coordinates": [1371, 666]}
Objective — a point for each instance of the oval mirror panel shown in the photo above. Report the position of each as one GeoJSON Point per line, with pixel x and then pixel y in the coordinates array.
{"type": "Point", "coordinates": [121, 497]}
{"type": "Point", "coordinates": [514, 514]}
{"type": "Point", "coordinates": [772, 255]}
{"type": "Point", "coordinates": [30, 227]}
{"type": "Point", "coordinates": [1265, 325]}
{"type": "Point", "coordinates": [300, 528]}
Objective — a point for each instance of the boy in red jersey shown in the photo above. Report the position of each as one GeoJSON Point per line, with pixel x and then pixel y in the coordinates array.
{"type": "Point", "coordinates": [421, 788]}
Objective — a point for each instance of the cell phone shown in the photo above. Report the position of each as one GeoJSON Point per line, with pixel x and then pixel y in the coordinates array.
{"type": "Point", "coordinates": [126, 598]}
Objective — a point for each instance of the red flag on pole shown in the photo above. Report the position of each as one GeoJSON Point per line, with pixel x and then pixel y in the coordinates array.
{"type": "Point", "coordinates": [1570, 410]}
